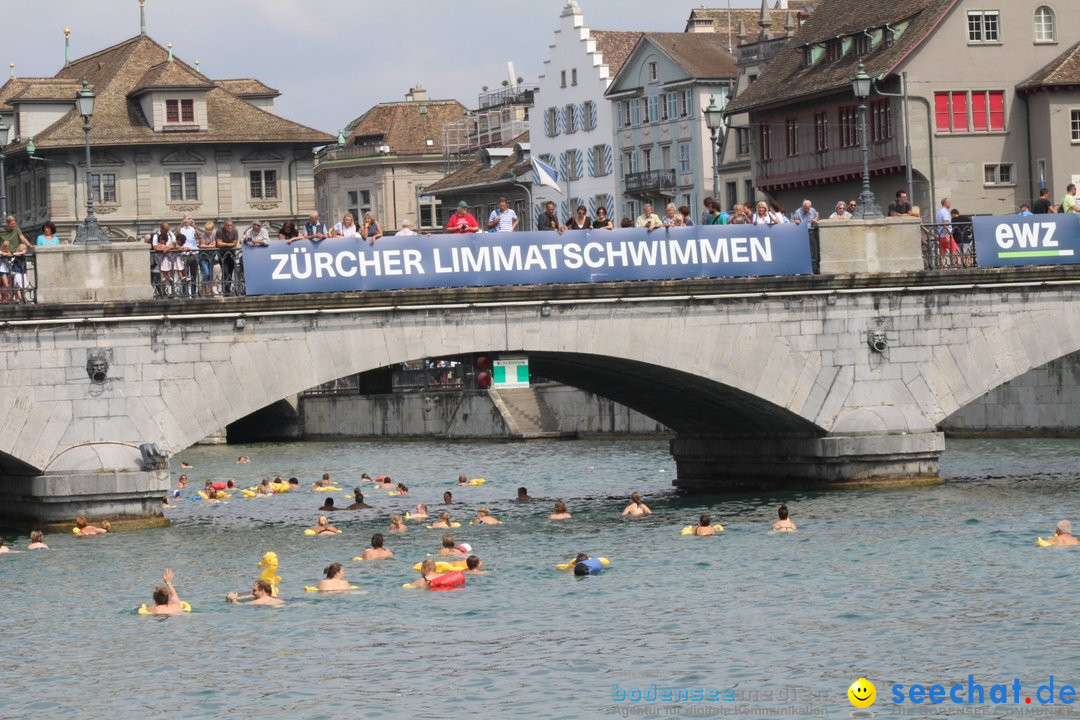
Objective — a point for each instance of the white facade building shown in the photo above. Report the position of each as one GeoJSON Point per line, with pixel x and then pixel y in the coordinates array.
{"type": "Point", "coordinates": [571, 126]}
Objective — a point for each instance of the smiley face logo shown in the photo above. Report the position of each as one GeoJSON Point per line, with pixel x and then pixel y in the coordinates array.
{"type": "Point", "coordinates": [862, 693]}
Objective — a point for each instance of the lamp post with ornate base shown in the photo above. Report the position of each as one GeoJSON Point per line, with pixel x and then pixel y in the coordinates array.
{"type": "Point", "coordinates": [867, 207]}
{"type": "Point", "coordinates": [4, 130]}
{"type": "Point", "coordinates": [714, 120]}
{"type": "Point", "coordinates": [89, 232]}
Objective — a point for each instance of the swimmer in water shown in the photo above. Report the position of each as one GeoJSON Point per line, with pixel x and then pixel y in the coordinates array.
{"type": "Point", "coordinates": [263, 488]}
{"type": "Point", "coordinates": [335, 578]}
{"type": "Point", "coordinates": [523, 495]}
{"type": "Point", "coordinates": [166, 601]}
{"type": "Point", "coordinates": [324, 482]}
{"type": "Point", "coordinates": [443, 521]}
{"type": "Point", "coordinates": [358, 501]}
{"type": "Point", "coordinates": [4, 548]}
{"type": "Point", "coordinates": [636, 507]}
{"type": "Point", "coordinates": [705, 527]}
{"type": "Point", "coordinates": [87, 530]}
{"type": "Point", "coordinates": [181, 483]}
{"type": "Point", "coordinates": [401, 489]}
{"type": "Point", "coordinates": [420, 512]}
{"type": "Point", "coordinates": [783, 524]}
{"type": "Point", "coordinates": [37, 541]}
{"type": "Point", "coordinates": [447, 498]}
{"type": "Point", "coordinates": [387, 484]}
{"type": "Point", "coordinates": [324, 527]}
{"type": "Point", "coordinates": [474, 566]}
{"type": "Point", "coordinates": [186, 465]}
{"type": "Point", "coordinates": [328, 505]}
{"type": "Point", "coordinates": [364, 477]}
{"type": "Point", "coordinates": [294, 483]}
{"type": "Point", "coordinates": [243, 460]}
{"type": "Point", "coordinates": [377, 551]}
{"type": "Point", "coordinates": [484, 517]}
{"type": "Point", "coordinates": [560, 512]}
{"type": "Point", "coordinates": [261, 594]}
{"type": "Point", "coordinates": [448, 549]}
{"type": "Point", "coordinates": [462, 480]}
{"type": "Point", "coordinates": [1063, 536]}
{"type": "Point", "coordinates": [397, 524]}
{"type": "Point", "coordinates": [427, 573]}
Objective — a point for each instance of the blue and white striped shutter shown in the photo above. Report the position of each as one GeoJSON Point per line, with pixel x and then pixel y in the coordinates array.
{"type": "Point", "coordinates": [547, 123]}
{"type": "Point", "coordinates": [610, 206]}
{"type": "Point", "coordinates": [562, 165]}
{"type": "Point", "coordinates": [592, 115]}
{"type": "Point", "coordinates": [592, 163]}
{"type": "Point", "coordinates": [608, 164]}
{"type": "Point", "coordinates": [560, 121]}
{"type": "Point", "coordinates": [579, 111]}
{"type": "Point", "coordinates": [592, 207]}
{"type": "Point", "coordinates": [579, 163]}
{"type": "Point", "coordinates": [564, 211]}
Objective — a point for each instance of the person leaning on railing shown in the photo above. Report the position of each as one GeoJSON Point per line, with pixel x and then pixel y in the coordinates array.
{"type": "Point", "coordinates": [14, 240]}
{"type": "Point", "coordinates": [227, 240]}
{"type": "Point", "coordinates": [208, 260]}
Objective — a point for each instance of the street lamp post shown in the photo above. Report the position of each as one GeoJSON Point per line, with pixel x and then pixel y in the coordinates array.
{"type": "Point", "coordinates": [4, 130]}
{"type": "Point", "coordinates": [714, 120]}
{"type": "Point", "coordinates": [89, 233]}
{"type": "Point", "coordinates": [860, 86]}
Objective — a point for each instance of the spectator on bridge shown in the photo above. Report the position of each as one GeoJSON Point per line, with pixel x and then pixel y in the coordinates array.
{"type": "Point", "coordinates": [407, 228]}
{"type": "Point", "coordinates": [947, 245]}
{"type": "Point", "coordinates": [163, 244]}
{"type": "Point", "coordinates": [840, 213]}
{"type": "Point", "coordinates": [783, 524]}
{"type": "Point", "coordinates": [580, 221]}
{"type": "Point", "coordinates": [776, 210]}
{"type": "Point", "coordinates": [346, 228]}
{"type": "Point", "coordinates": [602, 221]}
{"type": "Point", "coordinates": [166, 600]}
{"type": "Point", "coordinates": [806, 214]}
{"type": "Point", "coordinates": [377, 551]}
{"type": "Point", "coordinates": [740, 215]}
{"type": "Point", "coordinates": [1043, 206]}
{"type": "Point", "coordinates": [257, 234]}
{"type": "Point", "coordinates": [313, 229]}
{"type": "Point", "coordinates": [1068, 203]}
{"type": "Point", "coordinates": [187, 241]}
{"type": "Point", "coordinates": [370, 230]}
{"type": "Point", "coordinates": [462, 221]}
{"type": "Point", "coordinates": [523, 495]}
{"type": "Point", "coordinates": [209, 263]}
{"type": "Point", "coordinates": [15, 257]}
{"type": "Point", "coordinates": [762, 216]}
{"type": "Point", "coordinates": [707, 213]}
{"type": "Point", "coordinates": [636, 507]}
{"type": "Point", "coordinates": [626, 223]}
{"type": "Point", "coordinates": [963, 236]}
{"type": "Point", "coordinates": [852, 206]}
{"type": "Point", "coordinates": [288, 231]}
{"type": "Point", "coordinates": [226, 241]}
{"type": "Point", "coordinates": [548, 220]}
{"type": "Point", "coordinates": [48, 234]}
{"type": "Point", "coordinates": [901, 208]}
{"type": "Point", "coordinates": [672, 218]}
{"type": "Point", "coordinates": [685, 213]}
{"type": "Point", "coordinates": [560, 512]}
{"type": "Point", "coordinates": [648, 219]}
{"type": "Point", "coordinates": [503, 218]}
{"type": "Point", "coordinates": [13, 236]}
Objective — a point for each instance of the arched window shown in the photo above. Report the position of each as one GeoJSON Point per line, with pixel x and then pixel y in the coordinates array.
{"type": "Point", "coordinates": [1044, 24]}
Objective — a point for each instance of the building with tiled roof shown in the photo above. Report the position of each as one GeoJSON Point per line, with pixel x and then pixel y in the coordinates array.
{"type": "Point", "coordinates": [495, 172]}
{"type": "Point", "coordinates": [969, 67]}
{"type": "Point", "coordinates": [662, 146]}
{"type": "Point", "coordinates": [572, 125]}
{"type": "Point", "coordinates": [388, 155]}
{"type": "Point", "coordinates": [738, 25]}
{"type": "Point", "coordinates": [166, 140]}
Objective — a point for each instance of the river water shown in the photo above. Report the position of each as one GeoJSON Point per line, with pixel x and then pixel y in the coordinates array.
{"type": "Point", "coordinates": [923, 585]}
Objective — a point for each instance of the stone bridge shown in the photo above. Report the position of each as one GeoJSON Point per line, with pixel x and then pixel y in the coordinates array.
{"type": "Point", "coordinates": [766, 381]}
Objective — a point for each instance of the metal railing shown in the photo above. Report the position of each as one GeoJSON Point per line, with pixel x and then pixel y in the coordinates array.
{"type": "Point", "coordinates": [650, 180]}
{"type": "Point", "coordinates": [948, 247]}
{"type": "Point", "coordinates": [197, 273]}
{"type": "Point", "coordinates": [18, 284]}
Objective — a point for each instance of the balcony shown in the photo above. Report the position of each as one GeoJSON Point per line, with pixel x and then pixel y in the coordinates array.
{"type": "Point", "coordinates": [349, 152]}
{"type": "Point", "coordinates": [650, 182]}
{"type": "Point", "coordinates": [513, 95]}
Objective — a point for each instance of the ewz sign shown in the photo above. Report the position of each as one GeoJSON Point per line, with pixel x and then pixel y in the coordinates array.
{"type": "Point", "coordinates": [526, 258]}
{"type": "Point", "coordinates": [1027, 240]}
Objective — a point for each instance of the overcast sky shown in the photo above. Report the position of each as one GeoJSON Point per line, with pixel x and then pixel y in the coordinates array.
{"type": "Point", "coordinates": [330, 59]}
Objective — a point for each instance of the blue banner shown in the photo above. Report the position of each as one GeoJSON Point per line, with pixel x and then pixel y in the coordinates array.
{"type": "Point", "coordinates": [1027, 240]}
{"type": "Point", "coordinates": [527, 258]}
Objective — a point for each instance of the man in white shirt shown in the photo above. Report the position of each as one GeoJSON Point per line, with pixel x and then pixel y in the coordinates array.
{"type": "Point", "coordinates": [806, 214]}
{"type": "Point", "coordinates": [257, 234]}
{"type": "Point", "coordinates": [944, 232]}
{"type": "Point", "coordinates": [406, 228]}
{"type": "Point", "coordinates": [502, 218]}
{"type": "Point", "coordinates": [188, 266]}
{"type": "Point", "coordinates": [648, 219]}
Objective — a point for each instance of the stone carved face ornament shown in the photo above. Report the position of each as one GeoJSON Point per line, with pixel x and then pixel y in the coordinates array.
{"type": "Point", "coordinates": [97, 366]}
{"type": "Point", "coordinates": [877, 341]}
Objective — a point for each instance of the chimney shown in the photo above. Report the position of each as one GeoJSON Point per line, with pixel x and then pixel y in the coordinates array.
{"type": "Point", "coordinates": [416, 94]}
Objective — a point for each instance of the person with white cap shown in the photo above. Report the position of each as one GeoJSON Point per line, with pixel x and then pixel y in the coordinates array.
{"type": "Point", "coordinates": [1063, 534]}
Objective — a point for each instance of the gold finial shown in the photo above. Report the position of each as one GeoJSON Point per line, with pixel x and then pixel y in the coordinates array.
{"type": "Point", "coordinates": [142, 2]}
{"type": "Point", "coordinates": [67, 32]}
{"type": "Point", "coordinates": [170, 51]}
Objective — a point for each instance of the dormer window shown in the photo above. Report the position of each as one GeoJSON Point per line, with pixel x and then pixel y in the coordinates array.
{"type": "Point", "coordinates": [179, 111]}
{"type": "Point", "coordinates": [808, 56]}
{"type": "Point", "coordinates": [862, 44]}
{"type": "Point", "coordinates": [834, 50]}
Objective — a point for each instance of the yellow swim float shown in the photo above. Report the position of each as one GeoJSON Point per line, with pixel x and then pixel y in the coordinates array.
{"type": "Point", "coordinates": [309, 531]}
{"type": "Point", "coordinates": [445, 567]}
{"type": "Point", "coordinates": [689, 529]}
{"type": "Point", "coordinates": [1039, 542]}
{"type": "Point", "coordinates": [453, 525]}
{"type": "Point", "coordinates": [313, 588]}
{"type": "Point", "coordinates": [327, 488]}
{"type": "Point", "coordinates": [143, 610]}
{"type": "Point", "coordinates": [477, 481]}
